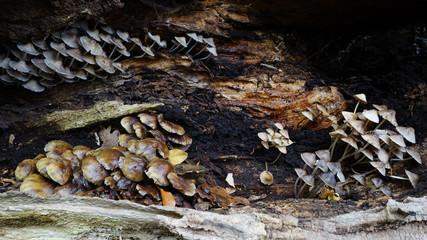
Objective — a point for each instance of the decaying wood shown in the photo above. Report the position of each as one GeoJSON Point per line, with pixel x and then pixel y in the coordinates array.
{"type": "Point", "coordinates": [92, 218]}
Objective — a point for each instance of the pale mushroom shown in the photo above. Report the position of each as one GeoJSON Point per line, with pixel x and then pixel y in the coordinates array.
{"type": "Point", "coordinates": [398, 139]}
{"type": "Point", "coordinates": [371, 115]}
{"type": "Point", "coordinates": [389, 115]}
{"type": "Point", "coordinates": [309, 159]}
{"type": "Point", "coordinates": [328, 178]}
{"type": "Point", "coordinates": [28, 48]}
{"type": "Point", "coordinates": [378, 182]}
{"type": "Point", "coordinates": [34, 86]}
{"type": "Point", "coordinates": [361, 178]}
{"type": "Point", "coordinates": [372, 139]}
{"type": "Point", "coordinates": [379, 166]}
{"type": "Point", "coordinates": [361, 97]}
{"type": "Point", "coordinates": [413, 178]}
{"type": "Point", "coordinates": [414, 154]}
{"type": "Point", "coordinates": [105, 63]}
{"type": "Point", "coordinates": [407, 132]}
{"type": "Point", "coordinates": [59, 47]}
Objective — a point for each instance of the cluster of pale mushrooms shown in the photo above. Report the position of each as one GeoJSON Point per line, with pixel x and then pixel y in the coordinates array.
{"type": "Point", "coordinates": [84, 52]}
{"type": "Point", "coordinates": [141, 169]}
{"type": "Point", "coordinates": [369, 146]}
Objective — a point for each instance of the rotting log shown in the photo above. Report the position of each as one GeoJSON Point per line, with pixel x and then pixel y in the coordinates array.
{"type": "Point", "coordinates": [92, 218]}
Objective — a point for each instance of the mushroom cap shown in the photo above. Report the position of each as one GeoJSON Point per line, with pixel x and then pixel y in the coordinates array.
{"type": "Point", "coordinates": [185, 186]}
{"type": "Point", "coordinates": [323, 109]}
{"type": "Point", "coordinates": [371, 115]}
{"type": "Point", "coordinates": [148, 119]}
{"type": "Point", "coordinates": [91, 46]}
{"type": "Point", "coordinates": [158, 170]}
{"type": "Point", "coordinates": [378, 182]}
{"type": "Point", "coordinates": [183, 140]}
{"type": "Point", "coordinates": [133, 167]}
{"type": "Point", "coordinates": [40, 64]}
{"type": "Point", "coordinates": [169, 126]}
{"type": "Point", "coordinates": [309, 159]}
{"type": "Point", "coordinates": [94, 34]}
{"type": "Point", "coordinates": [328, 178]}
{"type": "Point", "coordinates": [386, 190]}
{"type": "Point", "coordinates": [123, 35]}
{"type": "Point", "coordinates": [20, 66]}
{"type": "Point", "coordinates": [75, 53]}
{"type": "Point", "coordinates": [361, 97]}
{"type": "Point", "coordinates": [379, 166]}
{"type": "Point", "coordinates": [368, 153]}
{"type": "Point", "coordinates": [283, 149]}
{"type": "Point", "coordinates": [300, 172]}
{"type": "Point", "coordinates": [209, 41]}
{"type": "Point", "coordinates": [148, 148]}
{"type": "Point", "coordinates": [414, 154]}
{"type": "Point", "coordinates": [379, 107]}
{"type": "Point", "coordinates": [182, 41]}
{"type": "Point", "coordinates": [105, 63]}
{"type": "Point", "coordinates": [25, 169]}
{"type": "Point", "coordinates": [324, 155]}
{"type": "Point", "coordinates": [361, 178]}
{"type": "Point", "coordinates": [308, 115]}
{"type": "Point", "coordinates": [6, 78]}
{"type": "Point", "coordinates": [349, 115]}
{"type": "Point", "coordinates": [338, 133]}
{"type": "Point", "coordinates": [156, 39]}
{"type": "Point", "coordinates": [127, 123]}
{"type": "Point", "coordinates": [398, 139]}
{"type": "Point", "coordinates": [20, 76]}
{"type": "Point", "coordinates": [266, 178]}
{"type": "Point", "coordinates": [35, 184]}
{"type": "Point", "coordinates": [60, 47]}
{"type": "Point", "coordinates": [279, 126]}
{"type": "Point", "coordinates": [413, 178]}
{"type": "Point", "coordinates": [108, 158]}
{"type": "Point", "coordinates": [212, 50]}
{"type": "Point", "coordinates": [56, 65]}
{"type": "Point", "coordinates": [140, 129]}
{"type": "Point", "coordinates": [108, 29]}
{"type": "Point", "coordinates": [119, 67]}
{"type": "Point", "coordinates": [263, 136]}
{"type": "Point", "coordinates": [4, 62]}
{"type": "Point", "coordinates": [389, 115]}
{"type": "Point", "coordinates": [372, 139]}
{"type": "Point", "coordinates": [125, 138]}
{"type": "Point", "coordinates": [70, 39]}
{"type": "Point", "coordinates": [408, 133]}
{"type": "Point", "coordinates": [335, 167]}
{"type": "Point", "coordinates": [57, 146]}
{"type": "Point", "coordinates": [40, 43]}
{"type": "Point", "coordinates": [28, 48]}
{"type": "Point", "coordinates": [118, 43]}
{"type": "Point", "coordinates": [20, 55]}
{"type": "Point", "coordinates": [93, 171]}
{"type": "Point", "coordinates": [60, 171]}
{"type": "Point", "coordinates": [195, 37]}
{"type": "Point", "coordinates": [323, 165]}
{"type": "Point", "coordinates": [308, 179]}
{"type": "Point", "coordinates": [124, 52]}
{"type": "Point", "coordinates": [34, 86]}
{"type": "Point", "coordinates": [90, 69]}
{"type": "Point", "coordinates": [42, 164]}
{"type": "Point", "coordinates": [358, 125]}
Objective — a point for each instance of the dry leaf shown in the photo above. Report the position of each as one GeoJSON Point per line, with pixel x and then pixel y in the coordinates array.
{"type": "Point", "coordinates": [167, 198]}
{"type": "Point", "coordinates": [177, 156]}
{"type": "Point", "coordinates": [109, 139]}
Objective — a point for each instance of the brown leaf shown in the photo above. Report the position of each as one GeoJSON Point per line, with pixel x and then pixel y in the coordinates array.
{"type": "Point", "coordinates": [219, 196]}
{"type": "Point", "coordinates": [109, 139]}
{"type": "Point", "coordinates": [167, 198]}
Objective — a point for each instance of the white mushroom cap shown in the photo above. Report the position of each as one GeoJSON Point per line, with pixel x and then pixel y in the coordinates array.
{"type": "Point", "coordinates": [20, 55]}
{"type": "Point", "coordinates": [50, 54]}
{"type": "Point", "coordinates": [148, 119]}
{"type": "Point", "coordinates": [378, 182]}
{"type": "Point", "coordinates": [414, 154]}
{"type": "Point", "coordinates": [7, 79]}
{"type": "Point", "coordinates": [209, 41]}
{"type": "Point", "coordinates": [117, 42]}
{"type": "Point", "coordinates": [195, 37]}
{"type": "Point", "coordinates": [28, 48]}
{"type": "Point", "coordinates": [47, 76]}
{"type": "Point", "coordinates": [383, 155]}
{"type": "Point", "coordinates": [90, 69]}
{"type": "Point", "coordinates": [323, 110]}
{"type": "Point", "coordinates": [20, 76]}
{"type": "Point", "coordinates": [361, 178]}
{"type": "Point", "coordinates": [70, 39]}
{"type": "Point", "coordinates": [34, 86]}
{"type": "Point", "coordinates": [4, 62]}
{"type": "Point", "coordinates": [108, 29]}
{"type": "Point", "coordinates": [413, 178]}
{"type": "Point", "coordinates": [124, 52]}
{"type": "Point", "coordinates": [212, 50]}
{"type": "Point", "coordinates": [379, 166]}
{"type": "Point", "coordinates": [335, 167]}
{"type": "Point", "coordinates": [308, 179]}
{"type": "Point", "coordinates": [349, 115]}
{"type": "Point", "coordinates": [263, 136]}
{"type": "Point", "coordinates": [328, 178]}
{"type": "Point", "coordinates": [88, 58]}
{"type": "Point", "coordinates": [105, 64]}
{"type": "Point", "coordinates": [398, 139]}
{"type": "Point", "coordinates": [156, 39]}
{"type": "Point", "coordinates": [380, 107]}
{"type": "Point", "coordinates": [279, 126]}
{"type": "Point", "coordinates": [309, 159]}
{"type": "Point", "coordinates": [81, 74]}
{"type": "Point", "coordinates": [283, 149]}
{"type": "Point", "coordinates": [368, 153]}
{"type": "Point", "coordinates": [94, 34]}
{"type": "Point", "coordinates": [39, 63]}
{"type": "Point", "coordinates": [338, 132]}
{"type": "Point", "coordinates": [386, 190]}
{"type": "Point", "coordinates": [372, 139]}
{"type": "Point", "coordinates": [361, 97]}
{"type": "Point", "coordinates": [300, 172]}
{"type": "Point", "coordinates": [20, 66]}
{"type": "Point", "coordinates": [55, 65]}
{"type": "Point", "coordinates": [41, 43]}
{"type": "Point", "coordinates": [182, 41]}
{"type": "Point", "coordinates": [60, 47]}
{"type": "Point", "coordinates": [371, 115]}
{"type": "Point", "coordinates": [123, 35]}
{"type": "Point", "coordinates": [308, 115]}
{"type": "Point", "coordinates": [322, 165]}
{"type": "Point", "coordinates": [350, 141]}
{"type": "Point", "coordinates": [119, 67]}
{"type": "Point", "coordinates": [68, 75]}
{"type": "Point", "coordinates": [75, 53]}
{"type": "Point", "coordinates": [358, 125]}
{"type": "Point", "coordinates": [324, 155]}
{"type": "Point", "coordinates": [389, 115]}
{"type": "Point", "coordinates": [91, 46]}
{"type": "Point", "coordinates": [408, 133]}
{"type": "Point", "coordinates": [106, 38]}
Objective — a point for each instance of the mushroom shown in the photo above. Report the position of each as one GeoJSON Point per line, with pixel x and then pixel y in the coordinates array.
{"type": "Point", "coordinates": [350, 141]}
{"type": "Point", "coordinates": [125, 138]}
{"type": "Point", "coordinates": [33, 85]}
{"type": "Point", "coordinates": [57, 147]}
{"type": "Point", "coordinates": [93, 171]}
{"type": "Point", "coordinates": [105, 64]}
{"type": "Point", "coordinates": [407, 132]}
{"type": "Point", "coordinates": [183, 140]}
{"type": "Point", "coordinates": [158, 135]}
{"type": "Point", "coordinates": [60, 170]}
{"type": "Point", "coordinates": [140, 129]}
{"type": "Point", "coordinates": [361, 97]}
{"type": "Point", "coordinates": [94, 34]}
{"type": "Point", "coordinates": [212, 52]}
{"type": "Point", "coordinates": [378, 182]}
{"type": "Point", "coordinates": [380, 107]}
{"type": "Point", "coordinates": [386, 190]}
{"type": "Point", "coordinates": [148, 119]}
{"type": "Point", "coordinates": [25, 169]}
{"type": "Point", "coordinates": [18, 75]}
{"type": "Point", "coordinates": [156, 40]}
{"type": "Point", "coordinates": [40, 43]}
{"type": "Point", "coordinates": [328, 178]}
{"type": "Point", "coordinates": [266, 178]}
{"type": "Point", "coordinates": [357, 125]}
{"type": "Point", "coordinates": [70, 39]}
{"type": "Point", "coordinates": [308, 179]}
{"type": "Point", "coordinates": [146, 50]}
{"type": "Point", "coordinates": [263, 136]}
{"type": "Point", "coordinates": [60, 48]}
{"type": "Point", "coordinates": [183, 185]}
{"type": "Point", "coordinates": [398, 139]}
{"type": "Point", "coordinates": [56, 65]}
{"type": "Point", "coordinates": [209, 44]}
{"type": "Point", "coordinates": [413, 178]}
{"type": "Point", "coordinates": [91, 46]}
{"type": "Point", "coordinates": [324, 155]}
{"type": "Point", "coordinates": [133, 167]}
{"type": "Point", "coordinates": [4, 62]}
{"type": "Point", "coordinates": [28, 48]}
{"type": "Point", "coordinates": [361, 178]}
{"type": "Point", "coordinates": [7, 79]}
{"type": "Point", "coordinates": [20, 66]}
{"type": "Point", "coordinates": [414, 154]}
{"type": "Point", "coordinates": [42, 164]}
{"type": "Point", "coordinates": [323, 165]}
{"type": "Point", "coordinates": [389, 115]}
{"type": "Point", "coordinates": [196, 38]}
{"type": "Point", "coordinates": [309, 159]}
{"type": "Point", "coordinates": [35, 184]}
{"type": "Point", "coordinates": [127, 123]}
{"type": "Point", "coordinates": [148, 148]}
{"type": "Point", "coordinates": [40, 64]}
{"type": "Point", "coordinates": [379, 166]}
{"type": "Point", "coordinates": [123, 35]}
{"type": "Point", "coordinates": [371, 115]}
{"type": "Point", "coordinates": [308, 115]}
{"type": "Point", "coordinates": [108, 158]}
{"type": "Point", "coordinates": [180, 41]}
{"type": "Point", "coordinates": [372, 139]}
{"type": "Point", "coordinates": [300, 172]}
{"type": "Point", "coordinates": [149, 190]}
{"type": "Point", "coordinates": [169, 126]}
{"type": "Point", "coordinates": [349, 115]}
{"type": "Point", "coordinates": [368, 153]}
{"type": "Point", "coordinates": [158, 170]}
{"type": "Point", "coordinates": [108, 29]}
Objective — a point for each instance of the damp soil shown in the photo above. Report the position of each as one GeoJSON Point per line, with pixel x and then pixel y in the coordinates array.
{"type": "Point", "coordinates": [389, 65]}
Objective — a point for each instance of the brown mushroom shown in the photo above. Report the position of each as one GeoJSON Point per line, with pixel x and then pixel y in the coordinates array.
{"type": "Point", "coordinates": [140, 130]}
{"type": "Point", "coordinates": [42, 164]}
{"type": "Point", "coordinates": [266, 177]}
{"type": "Point", "coordinates": [93, 171]}
{"type": "Point", "coordinates": [25, 169]}
{"type": "Point", "coordinates": [108, 158]}
{"type": "Point", "coordinates": [35, 184]}
{"type": "Point", "coordinates": [60, 170]}
{"type": "Point", "coordinates": [56, 147]}
{"type": "Point", "coordinates": [169, 126]}
{"type": "Point", "coordinates": [148, 148]}
{"type": "Point", "coordinates": [148, 119]}
{"type": "Point", "coordinates": [133, 167]}
{"type": "Point", "coordinates": [309, 159]}
{"type": "Point", "coordinates": [183, 185]}
{"type": "Point", "coordinates": [158, 170]}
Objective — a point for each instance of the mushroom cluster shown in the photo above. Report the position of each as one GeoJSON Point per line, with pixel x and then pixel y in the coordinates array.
{"type": "Point", "coordinates": [86, 50]}
{"type": "Point", "coordinates": [278, 138]}
{"type": "Point", "coordinates": [360, 145]}
{"type": "Point", "coordinates": [138, 170]}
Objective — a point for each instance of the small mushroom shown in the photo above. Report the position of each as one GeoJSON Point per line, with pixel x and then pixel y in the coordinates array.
{"type": "Point", "coordinates": [158, 170]}
{"type": "Point", "coordinates": [133, 167]}
{"type": "Point", "coordinates": [28, 48]}
{"type": "Point", "coordinates": [90, 45]}
{"type": "Point", "coordinates": [70, 39]}
{"type": "Point", "coordinates": [361, 97]}
{"type": "Point", "coordinates": [389, 115]}
{"type": "Point", "coordinates": [25, 169]}
{"type": "Point", "coordinates": [379, 166]}
{"type": "Point", "coordinates": [309, 159]}
{"type": "Point", "coordinates": [183, 140]}
{"type": "Point", "coordinates": [361, 178]}
{"type": "Point", "coordinates": [105, 63]}
{"type": "Point", "coordinates": [148, 148]}
{"type": "Point", "coordinates": [183, 185]}
{"type": "Point", "coordinates": [368, 153]}
{"type": "Point", "coordinates": [413, 178]}
{"type": "Point", "coordinates": [156, 39]}
{"type": "Point", "coordinates": [308, 115]}
{"type": "Point", "coordinates": [125, 138]}
{"type": "Point", "coordinates": [414, 154]}
{"type": "Point", "coordinates": [153, 192]}
{"type": "Point", "coordinates": [35, 184]}
{"type": "Point", "coordinates": [266, 177]}
{"type": "Point", "coordinates": [34, 86]}
{"type": "Point", "coordinates": [80, 151]}
{"type": "Point", "coordinates": [408, 133]}
{"type": "Point", "coordinates": [324, 155]}
{"type": "Point", "coordinates": [158, 135]}
{"type": "Point", "coordinates": [40, 64]}
{"type": "Point", "coordinates": [322, 165]}
{"type": "Point", "coordinates": [57, 147]}
{"type": "Point", "coordinates": [93, 171]}
{"type": "Point", "coordinates": [386, 190]}
{"type": "Point", "coordinates": [357, 125]}
{"type": "Point", "coordinates": [328, 178]}
{"type": "Point", "coordinates": [60, 170]}
{"type": "Point", "coordinates": [371, 115]}
{"type": "Point", "coordinates": [42, 164]}
{"type": "Point", "coordinates": [169, 126]}
{"type": "Point", "coordinates": [350, 141]}
{"type": "Point", "coordinates": [140, 129]}
{"type": "Point", "coordinates": [308, 179]}
{"type": "Point", "coordinates": [349, 115]}
{"type": "Point", "coordinates": [94, 34]}
{"type": "Point", "coordinates": [108, 158]}
{"type": "Point", "coordinates": [148, 119]}
{"type": "Point", "coordinates": [372, 139]}
{"type": "Point", "coordinates": [59, 47]}
{"type": "Point", "coordinates": [300, 172]}
{"type": "Point", "coordinates": [127, 124]}
{"type": "Point", "coordinates": [123, 35]}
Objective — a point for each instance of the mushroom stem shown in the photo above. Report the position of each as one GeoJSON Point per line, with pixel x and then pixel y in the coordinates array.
{"type": "Point", "coordinates": [277, 158]}
{"type": "Point", "coordinates": [203, 49]}
{"type": "Point", "coordinates": [398, 177]}
{"type": "Point", "coordinates": [112, 51]}
{"type": "Point", "coordinates": [207, 57]}
{"type": "Point", "coordinates": [189, 50]}
{"type": "Point", "coordinates": [357, 105]}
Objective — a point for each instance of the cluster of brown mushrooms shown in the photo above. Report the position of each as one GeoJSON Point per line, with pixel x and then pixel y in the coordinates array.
{"type": "Point", "coordinates": [145, 168]}
{"type": "Point", "coordinates": [85, 51]}
{"type": "Point", "coordinates": [360, 147]}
